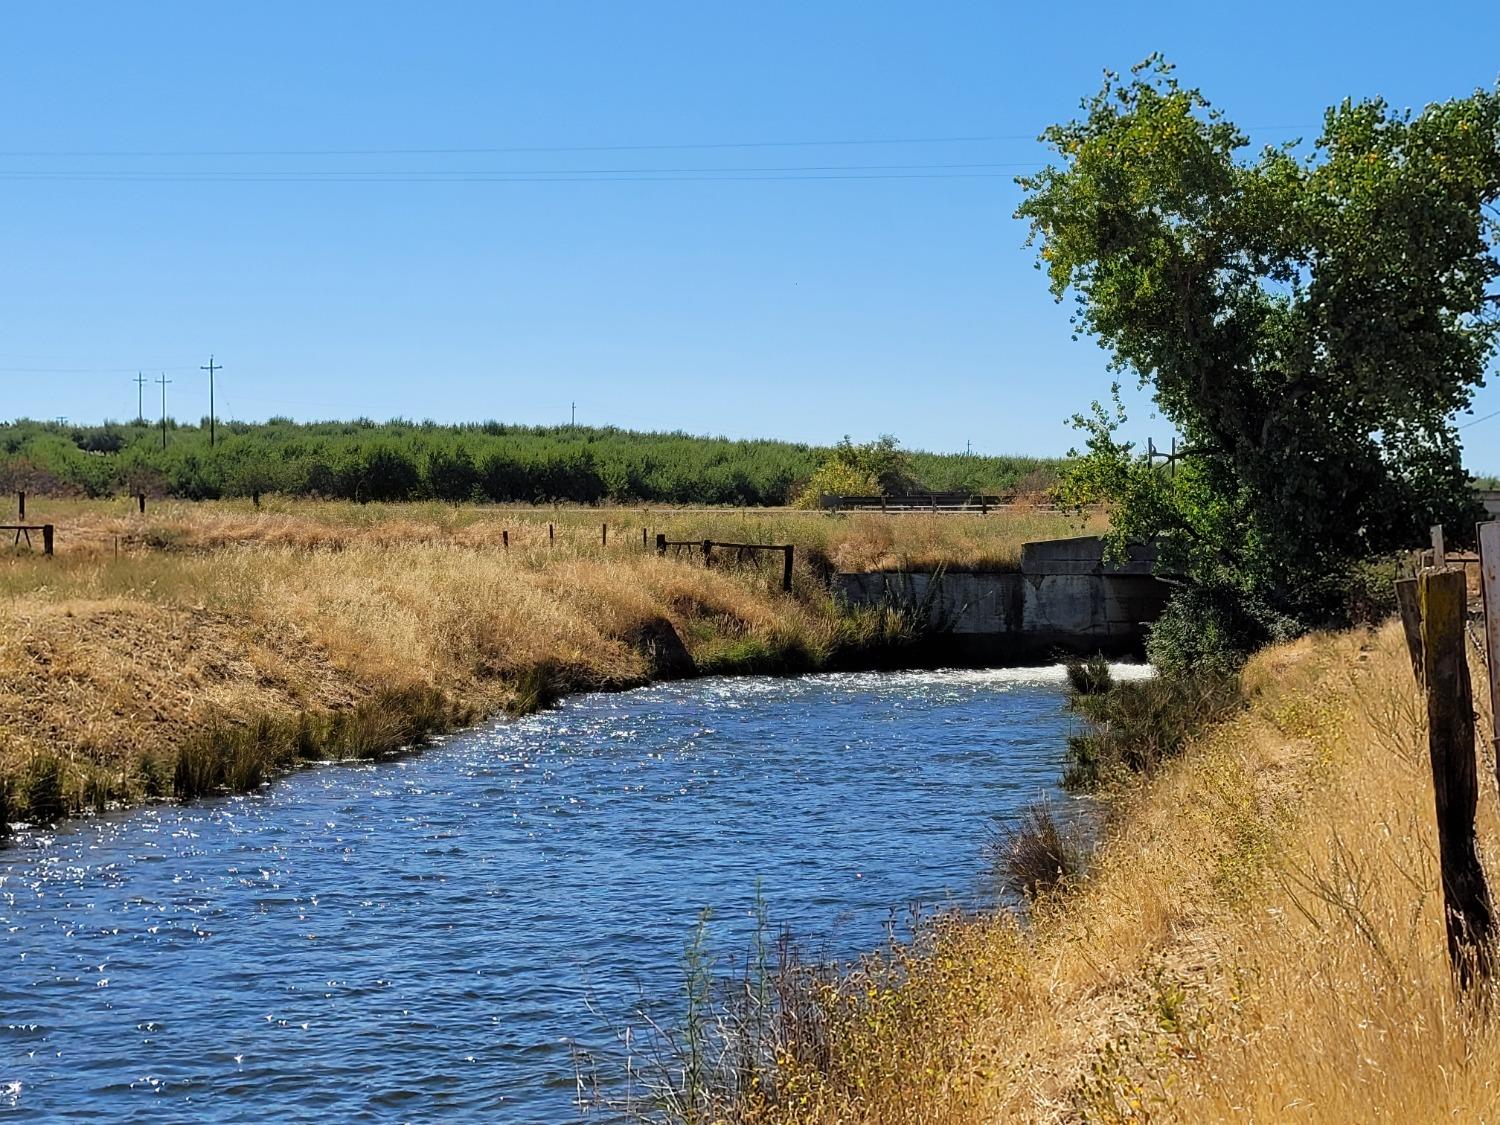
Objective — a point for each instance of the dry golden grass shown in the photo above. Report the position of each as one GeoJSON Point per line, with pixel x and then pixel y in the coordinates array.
{"type": "Point", "coordinates": [204, 646]}
{"type": "Point", "coordinates": [1261, 939]}
{"type": "Point", "coordinates": [860, 541]}
{"type": "Point", "coordinates": [110, 667]}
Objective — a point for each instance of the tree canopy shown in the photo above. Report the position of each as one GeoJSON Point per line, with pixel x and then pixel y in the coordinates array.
{"type": "Point", "coordinates": [1309, 318]}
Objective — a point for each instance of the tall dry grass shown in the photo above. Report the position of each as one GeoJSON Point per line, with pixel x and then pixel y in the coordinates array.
{"type": "Point", "coordinates": [851, 542]}
{"type": "Point", "coordinates": [1259, 938]}
{"type": "Point", "coordinates": [204, 646]}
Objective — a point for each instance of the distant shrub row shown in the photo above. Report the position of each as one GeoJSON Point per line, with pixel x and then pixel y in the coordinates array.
{"type": "Point", "coordinates": [398, 460]}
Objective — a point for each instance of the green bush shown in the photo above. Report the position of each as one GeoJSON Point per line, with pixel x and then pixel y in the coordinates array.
{"type": "Point", "coordinates": [1137, 725]}
{"type": "Point", "coordinates": [1211, 631]}
{"type": "Point", "coordinates": [400, 460]}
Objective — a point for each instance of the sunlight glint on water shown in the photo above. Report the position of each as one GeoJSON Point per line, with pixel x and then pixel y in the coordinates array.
{"type": "Point", "coordinates": [422, 938]}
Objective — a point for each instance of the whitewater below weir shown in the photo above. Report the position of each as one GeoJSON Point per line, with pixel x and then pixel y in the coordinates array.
{"type": "Point", "coordinates": [447, 933]}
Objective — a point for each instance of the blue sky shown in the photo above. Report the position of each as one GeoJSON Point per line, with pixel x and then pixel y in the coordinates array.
{"type": "Point", "coordinates": [738, 302]}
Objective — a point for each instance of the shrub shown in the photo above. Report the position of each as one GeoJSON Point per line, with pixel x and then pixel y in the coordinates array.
{"type": "Point", "coordinates": [1035, 854]}
{"type": "Point", "coordinates": [1089, 677]}
{"type": "Point", "coordinates": [1211, 631]}
{"type": "Point", "coordinates": [1370, 591]}
{"type": "Point", "coordinates": [1136, 726]}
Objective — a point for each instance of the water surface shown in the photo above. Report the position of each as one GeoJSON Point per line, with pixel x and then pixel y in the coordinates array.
{"type": "Point", "coordinates": [424, 938]}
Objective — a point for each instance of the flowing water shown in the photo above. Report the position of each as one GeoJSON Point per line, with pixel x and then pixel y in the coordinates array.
{"type": "Point", "coordinates": [428, 937]}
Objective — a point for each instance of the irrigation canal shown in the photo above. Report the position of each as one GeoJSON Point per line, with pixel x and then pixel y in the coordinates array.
{"type": "Point", "coordinates": [437, 936]}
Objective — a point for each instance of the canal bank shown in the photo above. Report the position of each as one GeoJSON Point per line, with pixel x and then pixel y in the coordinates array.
{"type": "Point", "coordinates": [180, 672]}
{"type": "Point", "coordinates": [465, 931]}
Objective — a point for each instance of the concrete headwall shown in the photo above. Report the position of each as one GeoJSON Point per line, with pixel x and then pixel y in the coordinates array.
{"type": "Point", "coordinates": [1063, 599]}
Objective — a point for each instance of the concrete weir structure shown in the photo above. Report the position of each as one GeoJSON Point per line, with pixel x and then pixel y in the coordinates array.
{"type": "Point", "coordinates": [1065, 598]}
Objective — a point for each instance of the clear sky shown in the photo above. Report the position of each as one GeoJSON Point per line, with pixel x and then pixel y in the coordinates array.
{"type": "Point", "coordinates": [180, 179]}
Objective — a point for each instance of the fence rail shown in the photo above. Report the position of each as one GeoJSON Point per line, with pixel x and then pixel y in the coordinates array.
{"type": "Point", "coordinates": [26, 529]}
{"type": "Point", "coordinates": [708, 546]}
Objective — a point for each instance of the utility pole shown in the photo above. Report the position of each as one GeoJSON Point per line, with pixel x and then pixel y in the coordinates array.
{"type": "Point", "coordinates": [164, 381]}
{"type": "Point", "coordinates": [211, 368]}
{"type": "Point", "coordinates": [140, 397]}
{"type": "Point", "coordinates": [573, 418]}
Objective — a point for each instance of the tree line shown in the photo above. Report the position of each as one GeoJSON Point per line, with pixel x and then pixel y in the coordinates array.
{"type": "Point", "coordinates": [398, 460]}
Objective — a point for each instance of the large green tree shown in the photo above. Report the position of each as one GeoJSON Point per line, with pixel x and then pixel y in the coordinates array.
{"type": "Point", "coordinates": [1310, 318]}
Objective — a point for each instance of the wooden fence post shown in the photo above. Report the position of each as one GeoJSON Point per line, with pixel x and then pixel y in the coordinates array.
{"type": "Point", "coordinates": [1409, 601]}
{"type": "Point", "coordinates": [643, 539]}
{"type": "Point", "coordinates": [47, 538]}
{"type": "Point", "coordinates": [604, 535]}
{"type": "Point", "coordinates": [786, 570]}
{"type": "Point", "coordinates": [708, 546]}
{"type": "Point", "coordinates": [551, 534]}
{"type": "Point", "coordinates": [1489, 583]}
{"type": "Point", "coordinates": [1439, 556]}
{"type": "Point", "coordinates": [505, 538]}
{"type": "Point", "coordinates": [21, 498]}
{"type": "Point", "coordinates": [661, 542]}
{"type": "Point", "coordinates": [141, 497]}
{"type": "Point", "coordinates": [1450, 741]}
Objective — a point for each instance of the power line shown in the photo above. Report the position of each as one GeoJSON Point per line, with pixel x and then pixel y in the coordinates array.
{"type": "Point", "coordinates": [474, 150]}
{"type": "Point", "coordinates": [211, 368]}
{"type": "Point", "coordinates": [1476, 421]}
{"type": "Point", "coordinates": [28, 173]}
{"type": "Point", "coordinates": [140, 392]}
{"type": "Point", "coordinates": [478, 150]}
{"type": "Point", "coordinates": [467, 178]}
{"type": "Point", "coordinates": [164, 381]}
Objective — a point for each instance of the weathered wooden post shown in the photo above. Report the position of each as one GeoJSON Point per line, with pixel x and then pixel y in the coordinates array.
{"type": "Point", "coordinates": [21, 499]}
{"type": "Point", "coordinates": [141, 498]}
{"type": "Point", "coordinates": [1439, 557]}
{"type": "Point", "coordinates": [786, 570]}
{"type": "Point", "coordinates": [708, 547]}
{"type": "Point", "coordinates": [1489, 584]}
{"type": "Point", "coordinates": [1409, 601]}
{"type": "Point", "coordinates": [661, 542]}
{"type": "Point", "coordinates": [643, 539]}
{"type": "Point", "coordinates": [46, 538]}
{"type": "Point", "coordinates": [604, 535]}
{"type": "Point", "coordinates": [984, 504]}
{"type": "Point", "coordinates": [551, 533]}
{"type": "Point", "coordinates": [505, 538]}
{"type": "Point", "coordinates": [1467, 912]}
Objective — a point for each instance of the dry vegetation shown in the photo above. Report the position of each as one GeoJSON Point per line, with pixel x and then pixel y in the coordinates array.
{"type": "Point", "coordinates": [1259, 939]}
{"type": "Point", "coordinates": [223, 642]}
{"type": "Point", "coordinates": [849, 542]}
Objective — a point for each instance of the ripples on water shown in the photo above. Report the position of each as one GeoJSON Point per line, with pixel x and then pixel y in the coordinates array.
{"type": "Point", "coordinates": [420, 938]}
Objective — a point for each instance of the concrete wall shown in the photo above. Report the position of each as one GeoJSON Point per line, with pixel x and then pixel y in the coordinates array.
{"type": "Point", "coordinates": [1063, 599]}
